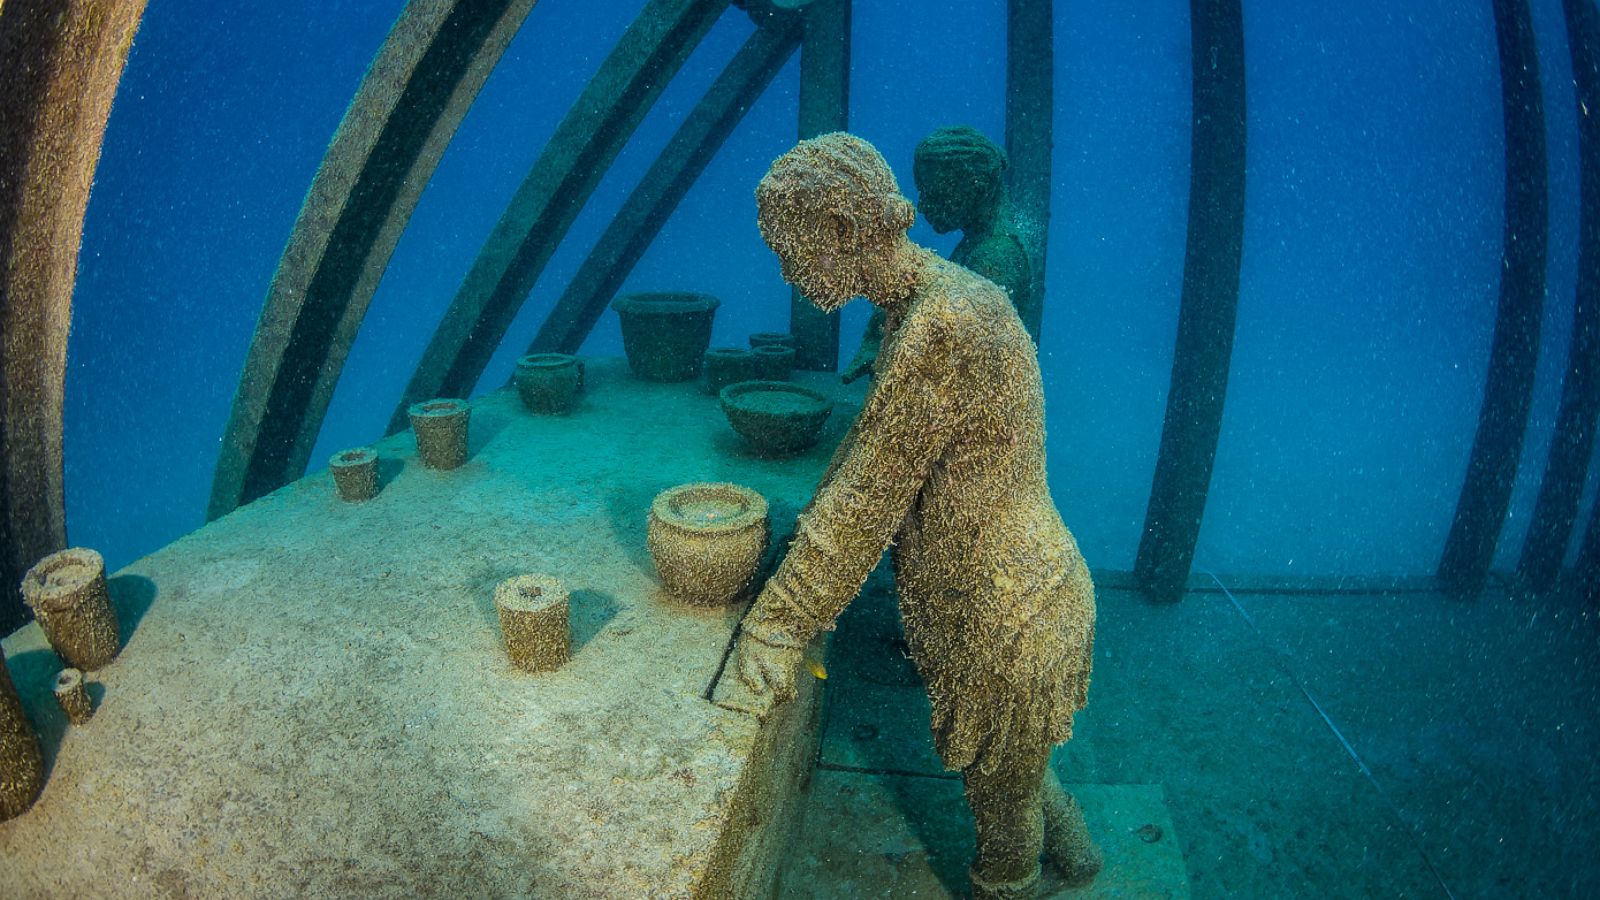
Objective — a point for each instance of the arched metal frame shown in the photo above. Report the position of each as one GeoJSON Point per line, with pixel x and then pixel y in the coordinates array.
{"type": "Point", "coordinates": [59, 63]}
{"type": "Point", "coordinates": [1514, 352]}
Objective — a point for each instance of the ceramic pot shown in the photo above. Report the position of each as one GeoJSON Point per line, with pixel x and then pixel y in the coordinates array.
{"type": "Point", "coordinates": [72, 602]}
{"type": "Point", "coordinates": [728, 365]}
{"type": "Point", "coordinates": [777, 418]}
{"type": "Point", "coordinates": [355, 474]}
{"type": "Point", "coordinates": [707, 540]}
{"type": "Point", "coordinates": [441, 430]}
{"type": "Point", "coordinates": [549, 382]}
{"type": "Point", "coordinates": [774, 362]}
{"type": "Point", "coordinates": [665, 335]}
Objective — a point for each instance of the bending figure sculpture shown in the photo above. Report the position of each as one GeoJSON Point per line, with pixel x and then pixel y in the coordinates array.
{"type": "Point", "coordinates": [960, 176]}
{"type": "Point", "coordinates": [946, 463]}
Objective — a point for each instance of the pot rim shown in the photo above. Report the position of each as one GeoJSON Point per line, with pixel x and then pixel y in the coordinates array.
{"type": "Point", "coordinates": [663, 508]}
{"type": "Point", "coordinates": [355, 456]}
{"type": "Point", "coordinates": [40, 593]}
{"type": "Point", "coordinates": [437, 408]}
{"type": "Point", "coordinates": [665, 303]}
{"type": "Point", "coordinates": [731, 394]}
{"type": "Point", "coordinates": [546, 361]}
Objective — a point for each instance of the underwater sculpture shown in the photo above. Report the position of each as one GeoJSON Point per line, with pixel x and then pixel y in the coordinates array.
{"type": "Point", "coordinates": [72, 602]}
{"type": "Point", "coordinates": [961, 186]}
{"type": "Point", "coordinates": [946, 464]}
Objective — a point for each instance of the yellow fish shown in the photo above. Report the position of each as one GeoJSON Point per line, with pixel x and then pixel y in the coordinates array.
{"type": "Point", "coordinates": [817, 669]}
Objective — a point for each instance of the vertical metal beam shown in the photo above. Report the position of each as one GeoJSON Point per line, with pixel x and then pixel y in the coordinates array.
{"type": "Point", "coordinates": [1030, 137]}
{"type": "Point", "coordinates": [419, 86]}
{"type": "Point", "coordinates": [1556, 511]}
{"type": "Point", "coordinates": [577, 156]}
{"type": "Point", "coordinates": [669, 179]}
{"type": "Point", "coordinates": [1514, 354]}
{"type": "Point", "coordinates": [1204, 348]}
{"type": "Point", "coordinates": [824, 107]}
{"type": "Point", "coordinates": [60, 62]}
{"type": "Point", "coordinates": [1585, 576]}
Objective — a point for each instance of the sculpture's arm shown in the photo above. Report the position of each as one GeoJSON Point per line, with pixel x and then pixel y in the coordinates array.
{"type": "Point", "coordinates": [908, 421]}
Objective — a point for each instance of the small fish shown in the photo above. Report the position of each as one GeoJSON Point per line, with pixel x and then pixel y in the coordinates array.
{"type": "Point", "coordinates": [817, 669]}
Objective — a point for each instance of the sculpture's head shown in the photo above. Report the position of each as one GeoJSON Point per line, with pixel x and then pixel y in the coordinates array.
{"type": "Point", "coordinates": [959, 178]}
{"type": "Point", "coordinates": [831, 210]}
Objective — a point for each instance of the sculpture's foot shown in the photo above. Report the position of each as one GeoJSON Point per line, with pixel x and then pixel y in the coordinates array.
{"type": "Point", "coordinates": [1025, 888]}
{"type": "Point", "coordinates": [1067, 844]}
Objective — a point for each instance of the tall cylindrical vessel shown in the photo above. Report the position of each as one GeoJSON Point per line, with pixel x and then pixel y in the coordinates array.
{"type": "Point", "coordinates": [441, 430]}
{"type": "Point", "coordinates": [68, 593]}
{"type": "Point", "coordinates": [534, 619]}
{"type": "Point", "coordinates": [355, 474]}
{"type": "Point", "coordinates": [21, 762]}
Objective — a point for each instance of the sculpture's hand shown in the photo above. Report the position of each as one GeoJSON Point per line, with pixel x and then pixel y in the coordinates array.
{"type": "Point", "coordinates": [768, 671]}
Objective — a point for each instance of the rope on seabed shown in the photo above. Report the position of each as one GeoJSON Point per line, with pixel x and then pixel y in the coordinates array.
{"type": "Point", "coordinates": [1389, 804]}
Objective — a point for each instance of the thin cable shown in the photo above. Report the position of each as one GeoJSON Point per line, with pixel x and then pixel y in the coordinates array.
{"type": "Point", "coordinates": [1388, 802]}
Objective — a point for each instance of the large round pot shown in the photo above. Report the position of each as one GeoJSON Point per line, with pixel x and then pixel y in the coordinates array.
{"type": "Point", "coordinates": [707, 540]}
{"type": "Point", "coordinates": [549, 382]}
{"type": "Point", "coordinates": [665, 335]}
{"type": "Point", "coordinates": [776, 417]}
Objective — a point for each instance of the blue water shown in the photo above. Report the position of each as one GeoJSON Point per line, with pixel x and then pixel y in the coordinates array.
{"type": "Point", "coordinates": [1370, 269]}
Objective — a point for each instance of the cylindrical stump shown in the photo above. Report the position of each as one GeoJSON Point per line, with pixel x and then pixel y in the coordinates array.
{"type": "Point", "coordinates": [728, 365]}
{"type": "Point", "coordinates": [774, 362]}
{"type": "Point", "coordinates": [21, 762]}
{"type": "Point", "coordinates": [441, 429]}
{"type": "Point", "coordinates": [68, 593]}
{"type": "Point", "coordinates": [533, 618]}
{"type": "Point", "coordinates": [355, 474]}
{"type": "Point", "coordinates": [73, 696]}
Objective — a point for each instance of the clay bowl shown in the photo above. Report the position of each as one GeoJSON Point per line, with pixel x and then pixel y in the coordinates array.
{"type": "Point", "coordinates": [707, 540]}
{"type": "Point", "coordinates": [776, 417]}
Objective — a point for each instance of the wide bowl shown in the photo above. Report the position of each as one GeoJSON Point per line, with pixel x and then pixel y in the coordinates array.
{"type": "Point", "coordinates": [776, 417]}
{"type": "Point", "coordinates": [707, 540]}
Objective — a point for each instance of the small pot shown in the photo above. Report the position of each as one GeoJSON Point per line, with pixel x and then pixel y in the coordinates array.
{"type": "Point", "coordinates": [774, 362]}
{"type": "Point", "coordinates": [69, 596]}
{"type": "Point", "coordinates": [549, 382]}
{"type": "Point", "coordinates": [707, 540]}
{"type": "Point", "coordinates": [441, 430]}
{"type": "Point", "coordinates": [771, 339]}
{"type": "Point", "coordinates": [355, 474]}
{"type": "Point", "coordinates": [728, 365]}
{"type": "Point", "coordinates": [665, 335]}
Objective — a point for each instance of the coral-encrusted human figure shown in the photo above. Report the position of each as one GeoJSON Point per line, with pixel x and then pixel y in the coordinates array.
{"type": "Point", "coordinates": [960, 176]}
{"type": "Point", "coordinates": [946, 462]}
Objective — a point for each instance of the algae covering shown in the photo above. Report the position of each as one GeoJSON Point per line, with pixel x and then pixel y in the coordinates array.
{"type": "Point", "coordinates": [946, 465]}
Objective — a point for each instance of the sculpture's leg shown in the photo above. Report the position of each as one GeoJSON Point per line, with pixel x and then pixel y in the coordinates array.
{"type": "Point", "coordinates": [1066, 837]}
{"type": "Point", "coordinates": [1010, 819]}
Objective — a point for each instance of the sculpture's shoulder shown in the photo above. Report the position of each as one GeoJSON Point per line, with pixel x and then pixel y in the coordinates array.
{"type": "Point", "coordinates": [1000, 258]}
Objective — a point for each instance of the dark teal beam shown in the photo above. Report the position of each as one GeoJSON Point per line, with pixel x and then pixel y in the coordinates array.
{"type": "Point", "coordinates": [1514, 353]}
{"type": "Point", "coordinates": [669, 179]}
{"type": "Point", "coordinates": [824, 107]}
{"type": "Point", "coordinates": [1210, 301]}
{"type": "Point", "coordinates": [1556, 511]}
